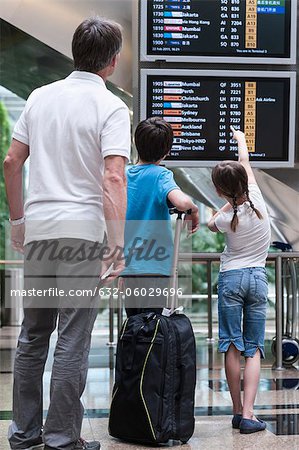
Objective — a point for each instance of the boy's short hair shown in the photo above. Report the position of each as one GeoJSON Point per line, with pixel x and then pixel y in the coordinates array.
{"type": "Point", "coordinates": [153, 139]}
{"type": "Point", "coordinates": [96, 42]}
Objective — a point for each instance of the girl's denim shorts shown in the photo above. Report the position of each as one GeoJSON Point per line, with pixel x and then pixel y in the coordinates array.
{"type": "Point", "coordinates": [242, 304]}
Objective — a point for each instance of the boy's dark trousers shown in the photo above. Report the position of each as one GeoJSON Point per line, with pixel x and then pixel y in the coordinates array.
{"type": "Point", "coordinates": [142, 293]}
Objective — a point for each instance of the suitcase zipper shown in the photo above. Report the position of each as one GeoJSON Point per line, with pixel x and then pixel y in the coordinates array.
{"type": "Point", "coordinates": [172, 378]}
{"type": "Point", "coordinates": [141, 380]}
{"type": "Point", "coordinates": [178, 397]}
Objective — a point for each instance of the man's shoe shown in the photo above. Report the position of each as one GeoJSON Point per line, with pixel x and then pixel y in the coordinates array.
{"type": "Point", "coordinates": [236, 420]}
{"type": "Point", "coordinates": [248, 426]}
{"type": "Point", "coordinates": [84, 445]}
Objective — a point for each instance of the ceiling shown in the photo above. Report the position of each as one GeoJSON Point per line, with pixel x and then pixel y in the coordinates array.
{"type": "Point", "coordinates": [54, 22]}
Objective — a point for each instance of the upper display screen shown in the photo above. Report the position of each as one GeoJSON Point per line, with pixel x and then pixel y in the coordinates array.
{"type": "Point", "coordinates": [235, 30]}
{"type": "Point", "coordinates": [202, 105]}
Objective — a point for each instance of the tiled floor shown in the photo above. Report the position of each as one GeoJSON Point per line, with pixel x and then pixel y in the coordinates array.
{"type": "Point", "coordinates": [277, 401]}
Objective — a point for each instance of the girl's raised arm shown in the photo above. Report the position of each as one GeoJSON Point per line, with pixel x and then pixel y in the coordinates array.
{"type": "Point", "coordinates": [239, 136]}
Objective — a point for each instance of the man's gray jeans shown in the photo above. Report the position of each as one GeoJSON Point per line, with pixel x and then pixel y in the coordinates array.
{"type": "Point", "coordinates": [75, 316]}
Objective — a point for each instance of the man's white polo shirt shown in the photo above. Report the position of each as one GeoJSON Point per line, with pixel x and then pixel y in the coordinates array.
{"type": "Point", "coordinates": [70, 126]}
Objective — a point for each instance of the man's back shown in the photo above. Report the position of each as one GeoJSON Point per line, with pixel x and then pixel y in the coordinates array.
{"type": "Point", "coordinates": [71, 126]}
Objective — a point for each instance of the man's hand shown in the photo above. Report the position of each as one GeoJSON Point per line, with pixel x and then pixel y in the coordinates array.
{"type": "Point", "coordinates": [17, 235]}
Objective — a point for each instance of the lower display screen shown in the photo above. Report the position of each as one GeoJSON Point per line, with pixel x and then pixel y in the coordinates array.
{"type": "Point", "coordinates": [201, 109]}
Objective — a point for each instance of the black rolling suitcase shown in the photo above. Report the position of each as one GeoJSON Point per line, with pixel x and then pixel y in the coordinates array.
{"type": "Point", "coordinates": [153, 394]}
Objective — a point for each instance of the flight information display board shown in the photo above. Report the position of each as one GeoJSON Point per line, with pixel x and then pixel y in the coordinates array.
{"type": "Point", "coordinates": [246, 31]}
{"type": "Point", "coordinates": [201, 105]}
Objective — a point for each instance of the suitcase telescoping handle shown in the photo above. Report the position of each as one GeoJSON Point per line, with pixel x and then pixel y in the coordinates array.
{"type": "Point", "coordinates": [173, 287]}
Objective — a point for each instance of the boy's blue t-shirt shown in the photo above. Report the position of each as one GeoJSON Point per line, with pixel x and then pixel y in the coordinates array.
{"type": "Point", "coordinates": [148, 234]}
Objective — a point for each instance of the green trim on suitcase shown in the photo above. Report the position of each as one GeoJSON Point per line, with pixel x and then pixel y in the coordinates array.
{"type": "Point", "coordinates": [124, 328]}
{"type": "Point", "coordinates": [142, 376]}
{"type": "Point", "coordinates": [114, 396]}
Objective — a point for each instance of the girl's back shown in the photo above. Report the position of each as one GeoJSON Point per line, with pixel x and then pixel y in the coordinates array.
{"type": "Point", "coordinates": [248, 245]}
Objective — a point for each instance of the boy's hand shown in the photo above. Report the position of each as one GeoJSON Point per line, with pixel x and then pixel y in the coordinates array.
{"type": "Point", "coordinates": [192, 221]}
{"type": "Point", "coordinates": [114, 265]}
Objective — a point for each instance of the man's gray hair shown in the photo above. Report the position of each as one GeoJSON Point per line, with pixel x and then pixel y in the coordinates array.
{"type": "Point", "coordinates": [96, 42]}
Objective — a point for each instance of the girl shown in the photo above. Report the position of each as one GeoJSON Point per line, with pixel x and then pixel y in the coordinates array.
{"type": "Point", "coordinates": [242, 284]}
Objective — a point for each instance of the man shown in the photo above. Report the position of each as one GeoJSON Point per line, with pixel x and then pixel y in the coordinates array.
{"type": "Point", "coordinates": [77, 134]}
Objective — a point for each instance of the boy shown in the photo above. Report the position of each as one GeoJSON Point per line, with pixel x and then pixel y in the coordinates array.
{"type": "Point", "coordinates": [148, 236]}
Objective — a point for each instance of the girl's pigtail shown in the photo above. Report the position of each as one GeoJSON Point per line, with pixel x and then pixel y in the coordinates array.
{"type": "Point", "coordinates": [235, 219]}
{"type": "Point", "coordinates": [253, 207]}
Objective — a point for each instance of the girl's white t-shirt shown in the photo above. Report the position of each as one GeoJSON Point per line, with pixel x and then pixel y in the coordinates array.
{"type": "Point", "coordinates": [248, 246]}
